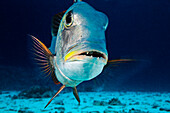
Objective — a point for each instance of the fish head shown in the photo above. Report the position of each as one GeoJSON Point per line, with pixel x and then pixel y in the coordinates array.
{"type": "Point", "coordinates": [81, 39]}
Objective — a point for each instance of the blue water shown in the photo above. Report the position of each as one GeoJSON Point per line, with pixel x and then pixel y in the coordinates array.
{"type": "Point", "coordinates": [138, 29]}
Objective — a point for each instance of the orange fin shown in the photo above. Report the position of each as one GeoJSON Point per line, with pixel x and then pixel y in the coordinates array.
{"type": "Point", "coordinates": [61, 88]}
{"type": "Point", "coordinates": [76, 94]}
{"type": "Point", "coordinates": [120, 60]}
{"type": "Point", "coordinates": [56, 22]}
{"type": "Point", "coordinates": [117, 62]}
{"type": "Point", "coordinates": [44, 58]}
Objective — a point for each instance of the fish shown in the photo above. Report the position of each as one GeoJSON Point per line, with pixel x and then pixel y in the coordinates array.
{"type": "Point", "coordinates": [78, 48]}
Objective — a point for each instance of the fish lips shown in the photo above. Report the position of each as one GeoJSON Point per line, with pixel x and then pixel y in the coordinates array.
{"type": "Point", "coordinates": [86, 56]}
{"type": "Point", "coordinates": [87, 53]}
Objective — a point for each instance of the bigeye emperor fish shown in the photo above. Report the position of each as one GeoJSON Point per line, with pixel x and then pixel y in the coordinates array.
{"type": "Point", "coordinates": [78, 49]}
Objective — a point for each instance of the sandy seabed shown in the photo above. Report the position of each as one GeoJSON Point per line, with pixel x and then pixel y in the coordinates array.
{"type": "Point", "coordinates": [91, 102]}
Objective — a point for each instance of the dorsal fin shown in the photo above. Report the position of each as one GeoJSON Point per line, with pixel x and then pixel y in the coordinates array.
{"type": "Point", "coordinates": [77, 0]}
{"type": "Point", "coordinates": [44, 58]}
{"type": "Point", "coordinates": [56, 22]}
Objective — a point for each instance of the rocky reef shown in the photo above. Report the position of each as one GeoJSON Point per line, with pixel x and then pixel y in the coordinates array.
{"type": "Point", "coordinates": [35, 92]}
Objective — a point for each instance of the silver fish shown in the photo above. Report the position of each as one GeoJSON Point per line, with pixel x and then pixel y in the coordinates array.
{"type": "Point", "coordinates": [78, 48]}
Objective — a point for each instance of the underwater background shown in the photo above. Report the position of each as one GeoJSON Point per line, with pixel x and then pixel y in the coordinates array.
{"type": "Point", "coordinates": [138, 29]}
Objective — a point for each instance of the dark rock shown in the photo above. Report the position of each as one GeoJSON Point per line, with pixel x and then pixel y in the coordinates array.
{"type": "Point", "coordinates": [136, 111]}
{"type": "Point", "coordinates": [159, 100]}
{"type": "Point", "coordinates": [6, 92]}
{"type": "Point", "coordinates": [110, 107]}
{"type": "Point", "coordinates": [99, 103]}
{"type": "Point", "coordinates": [35, 92]}
{"type": "Point", "coordinates": [110, 111]}
{"type": "Point", "coordinates": [136, 103]}
{"type": "Point", "coordinates": [114, 101]}
{"type": "Point", "coordinates": [167, 101]}
{"type": "Point", "coordinates": [44, 110]}
{"type": "Point", "coordinates": [59, 102]}
{"type": "Point", "coordinates": [8, 96]}
{"type": "Point", "coordinates": [84, 101]}
{"type": "Point", "coordinates": [12, 110]}
{"type": "Point", "coordinates": [24, 111]}
{"type": "Point", "coordinates": [61, 109]}
{"type": "Point", "coordinates": [84, 112]}
{"type": "Point", "coordinates": [94, 112]}
{"type": "Point", "coordinates": [164, 109]}
{"type": "Point", "coordinates": [155, 106]}
{"type": "Point", "coordinates": [14, 97]}
{"type": "Point", "coordinates": [130, 103]}
{"type": "Point", "coordinates": [85, 107]}
{"type": "Point", "coordinates": [26, 108]}
{"type": "Point", "coordinates": [2, 107]}
{"type": "Point", "coordinates": [91, 97]}
{"type": "Point", "coordinates": [133, 109]}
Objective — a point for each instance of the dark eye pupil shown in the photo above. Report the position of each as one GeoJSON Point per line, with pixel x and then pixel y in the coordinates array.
{"type": "Point", "coordinates": [68, 17]}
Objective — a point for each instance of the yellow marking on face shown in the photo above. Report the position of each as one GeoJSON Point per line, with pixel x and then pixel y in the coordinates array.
{"type": "Point", "coordinates": [70, 55]}
{"type": "Point", "coordinates": [81, 57]}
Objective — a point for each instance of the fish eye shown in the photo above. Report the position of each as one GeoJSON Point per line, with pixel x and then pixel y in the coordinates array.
{"type": "Point", "coordinates": [69, 19]}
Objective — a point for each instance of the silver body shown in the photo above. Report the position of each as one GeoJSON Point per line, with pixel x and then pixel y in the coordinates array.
{"type": "Point", "coordinates": [87, 33]}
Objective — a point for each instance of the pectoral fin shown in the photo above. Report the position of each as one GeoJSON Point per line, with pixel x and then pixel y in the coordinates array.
{"type": "Point", "coordinates": [44, 58]}
{"type": "Point", "coordinates": [120, 60]}
{"type": "Point", "coordinates": [117, 61]}
{"type": "Point", "coordinates": [76, 94]}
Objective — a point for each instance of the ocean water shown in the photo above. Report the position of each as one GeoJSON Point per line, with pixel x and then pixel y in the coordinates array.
{"type": "Point", "coordinates": [138, 29]}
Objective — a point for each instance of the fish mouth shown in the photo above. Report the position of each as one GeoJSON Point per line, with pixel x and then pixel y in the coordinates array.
{"type": "Point", "coordinates": [93, 54]}
{"type": "Point", "coordinates": [86, 54]}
